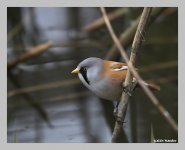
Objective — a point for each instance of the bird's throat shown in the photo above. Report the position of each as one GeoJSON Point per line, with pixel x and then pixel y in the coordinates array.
{"type": "Point", "coordinates": [84, 75]}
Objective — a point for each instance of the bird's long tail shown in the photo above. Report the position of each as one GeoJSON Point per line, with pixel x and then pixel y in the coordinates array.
{"type": "Point", "coordinates": [152, 86]}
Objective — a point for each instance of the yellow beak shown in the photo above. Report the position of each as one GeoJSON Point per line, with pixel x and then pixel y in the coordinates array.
{"type": "Point", "coordinates": [76, 71]}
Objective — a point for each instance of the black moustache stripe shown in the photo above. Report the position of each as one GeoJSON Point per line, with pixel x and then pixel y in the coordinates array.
{"type": "Point", "coordinates": [84, 74]}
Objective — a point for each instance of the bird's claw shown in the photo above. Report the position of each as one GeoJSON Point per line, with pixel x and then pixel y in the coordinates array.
{"type": "Point", "coordinates": [128, 89]}
{"type": "Point", "coordinates": [115, 112]}
{"type": "Point", "coordinates": [118, 119]}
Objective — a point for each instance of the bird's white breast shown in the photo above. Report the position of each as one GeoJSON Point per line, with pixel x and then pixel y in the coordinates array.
{"type": "Point", "coordinates": [103, 88]}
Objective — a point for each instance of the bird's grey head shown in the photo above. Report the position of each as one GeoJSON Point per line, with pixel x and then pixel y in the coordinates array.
{"type": "Point", "coordinates": [89, 69]}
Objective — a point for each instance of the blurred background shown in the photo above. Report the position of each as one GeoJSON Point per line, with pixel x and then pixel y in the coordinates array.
{"type": "Point", "coordinates": [46, 103]}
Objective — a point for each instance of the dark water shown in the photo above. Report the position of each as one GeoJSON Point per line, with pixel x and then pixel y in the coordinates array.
{"type": "Point", "coordinates": [58, 108]}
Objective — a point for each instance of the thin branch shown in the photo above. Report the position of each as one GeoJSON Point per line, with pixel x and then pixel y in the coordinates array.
{"type": "Point", "coordinates": [167, 79]}
{"type": "Point", "coordinates": [159, 66]}
{"type": "Point", "coordinates": [60, 84]}
{"type": "Point", "coordinates": [14, 31]}
{"type": "Point", "coordinates": [46, 86]}
{"type": "Point", "coordinates": [162, 40]}
{"type": "Point", "coordinates": [30, 53]}
{"type": "Point", "coordinates": [100, 21]}
{"type": "Point", "coordinates": [136, 44]}
{"type": "Point", "coordinates": [74, 95]}
{"type": "Point", "coordinates": [61, 97]}
{"type": "Point", "coordinates": [127, 36]}
{"type": "Point", "coordinates": [37, 106]}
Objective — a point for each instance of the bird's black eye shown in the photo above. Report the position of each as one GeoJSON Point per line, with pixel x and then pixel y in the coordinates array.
{"type": "Point", "coordinates": [83, 71]}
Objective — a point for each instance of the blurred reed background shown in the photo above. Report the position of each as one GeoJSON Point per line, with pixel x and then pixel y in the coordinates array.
{"type": "Point", "coordinates": [47, 104]}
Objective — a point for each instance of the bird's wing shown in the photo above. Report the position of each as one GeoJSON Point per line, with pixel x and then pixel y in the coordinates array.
{"type": "Point", "coordinates": [116, 66]}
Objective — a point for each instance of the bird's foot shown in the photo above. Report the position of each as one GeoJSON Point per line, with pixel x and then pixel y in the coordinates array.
{"type": "Point", "coordinates": [128, 89]}
{"type": "Point", "coordinates": [115, 112]}
{"type": "Point", "coordinates": [120, 120]}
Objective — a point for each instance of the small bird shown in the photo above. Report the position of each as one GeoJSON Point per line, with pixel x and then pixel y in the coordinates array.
{"type": "Point", "coordinates": [104, 77]}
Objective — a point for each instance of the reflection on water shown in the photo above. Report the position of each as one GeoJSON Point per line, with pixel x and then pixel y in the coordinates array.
{"type": "Point", "coordinates": [49, 104]}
